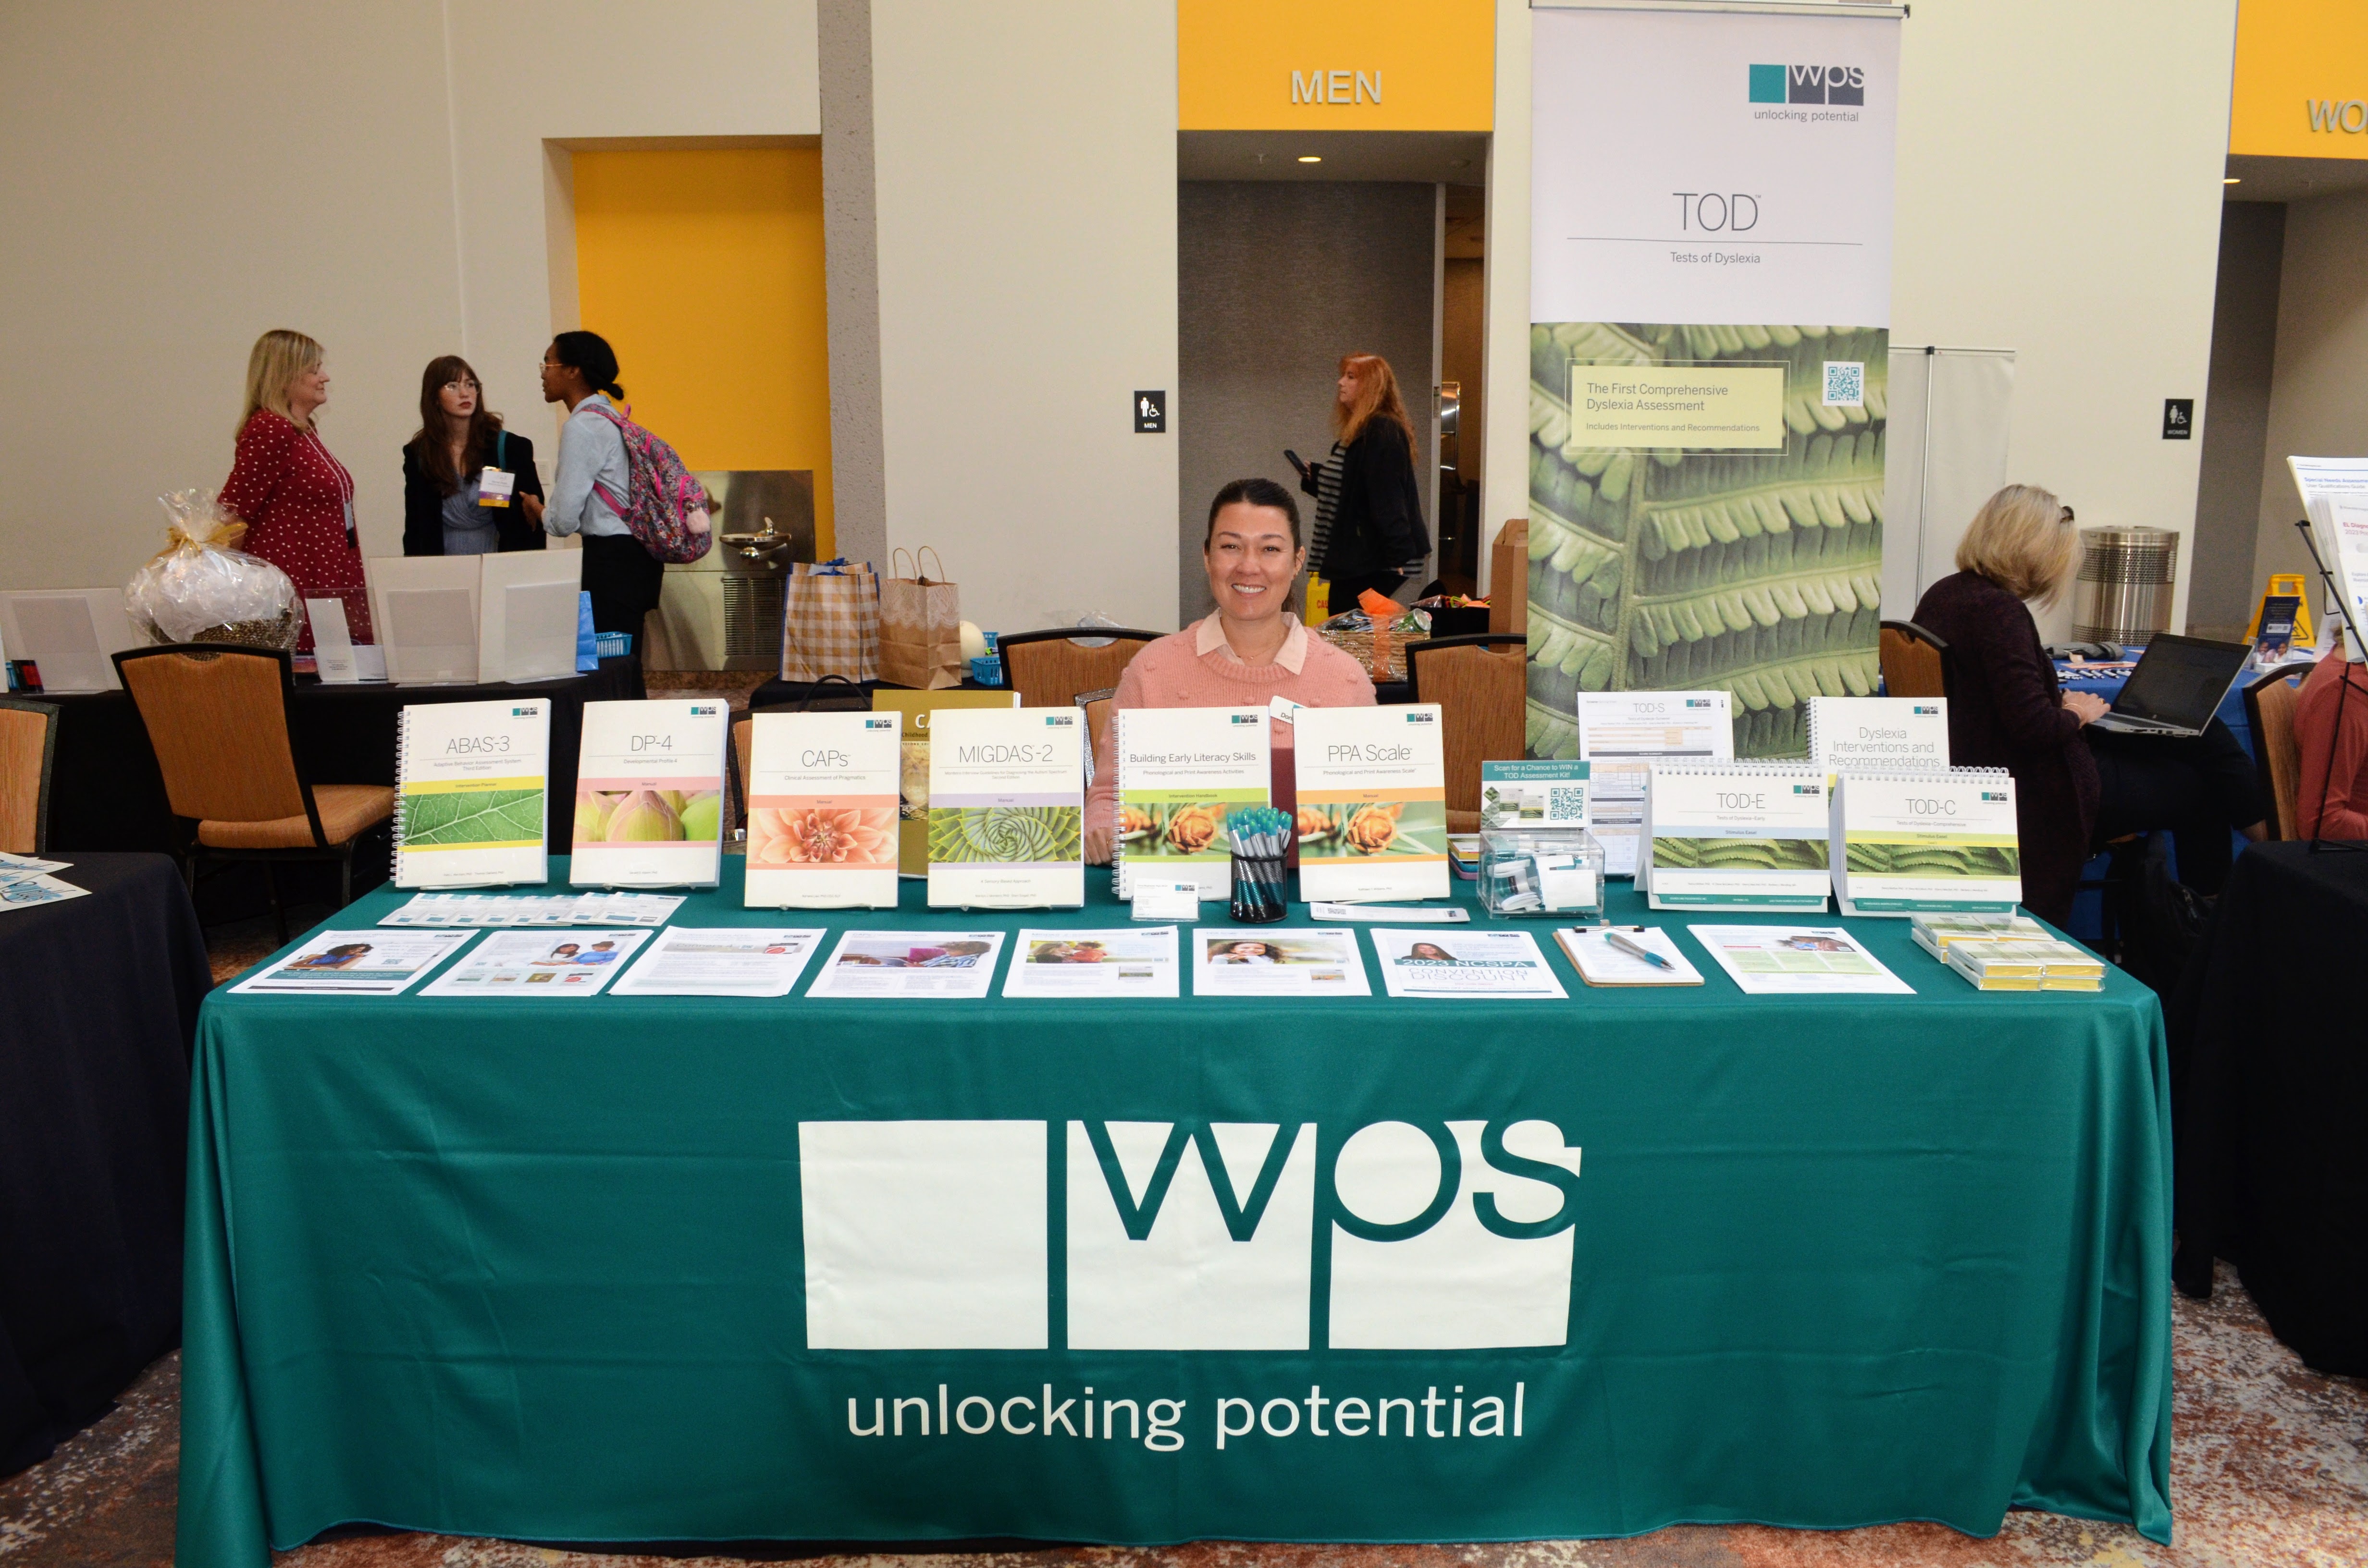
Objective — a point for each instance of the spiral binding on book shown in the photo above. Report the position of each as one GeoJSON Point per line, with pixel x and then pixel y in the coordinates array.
{"type": "Point", "coordinates": [1118, 889]}
{"type": "Point", "coordinates": [395, 830]}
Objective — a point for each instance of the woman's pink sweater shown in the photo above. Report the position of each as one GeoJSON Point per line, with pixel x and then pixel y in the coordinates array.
{"type": "Point", "coordinates": [1173, 673]}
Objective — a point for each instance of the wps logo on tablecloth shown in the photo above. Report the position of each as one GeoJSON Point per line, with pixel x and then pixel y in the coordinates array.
{"type": "Point", "coordinates": [932, 1236]}
{"type": "Point", "coordinates": [1808, 85]}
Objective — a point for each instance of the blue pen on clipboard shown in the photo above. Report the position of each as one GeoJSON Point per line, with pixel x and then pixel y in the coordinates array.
{"type": "Point", "coordinates": [1638, 949]}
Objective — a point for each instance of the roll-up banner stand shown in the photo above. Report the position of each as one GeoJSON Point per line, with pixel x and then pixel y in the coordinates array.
{"type": "Point", "coordinates": [1710, 307]}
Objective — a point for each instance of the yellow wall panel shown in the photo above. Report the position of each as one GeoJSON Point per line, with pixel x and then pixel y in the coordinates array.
{"type": "Point", "coordinates": [703, 269]}
{"type": "Point", "coordinates": [1327, 65]}
{"type": "Point", "coordinates": [2301, 87]}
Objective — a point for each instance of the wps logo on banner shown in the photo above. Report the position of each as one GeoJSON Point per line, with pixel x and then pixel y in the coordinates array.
{"type": "Point", "coordinates": [932, 1236]}
{"type": "Point", "coordinates": [1808, 85]}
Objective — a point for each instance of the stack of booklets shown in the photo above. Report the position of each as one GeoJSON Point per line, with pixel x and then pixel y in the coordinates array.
{"type": "Point", "coordinates": [2044, 965]}
{"type": "Point", "coordinates": [1935, 933]}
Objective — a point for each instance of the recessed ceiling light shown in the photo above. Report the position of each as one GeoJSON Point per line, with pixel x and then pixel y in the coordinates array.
{"type": "Point", "coordinates": [1309, 158]}
{"type": "Point", "coordinates": [2232, 179]}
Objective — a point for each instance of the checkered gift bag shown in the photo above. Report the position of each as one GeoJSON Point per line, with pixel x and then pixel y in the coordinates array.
{"type": "Point", "coordinates": [830, 621]}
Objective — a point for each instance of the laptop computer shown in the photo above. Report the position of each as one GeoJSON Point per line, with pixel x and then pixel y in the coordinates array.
{"type": "Point", "coordinates": [2175, 688]}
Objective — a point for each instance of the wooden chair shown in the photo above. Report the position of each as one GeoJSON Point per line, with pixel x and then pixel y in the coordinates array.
{"type": "Point", "coordinates": [217, 718]}
{"type": "Point", "coordinates": [743, 740]}
{"type": "Point", "coordinates": [1048, 669]}
{"type": "Point", "coordinates": [1479, 683]}
{"type": "Point", "coordinates": [1915, 662]}
{"type": "Point", "coordinates": [1098, 708]}
{"type": "Point", "coordinates": [2270, 705]}
{"type": "Point", "coordinates": [28, 747]}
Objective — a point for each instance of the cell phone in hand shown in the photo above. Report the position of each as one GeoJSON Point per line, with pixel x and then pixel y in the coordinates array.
{"type": "Point", "coordinates": [1296, 461]}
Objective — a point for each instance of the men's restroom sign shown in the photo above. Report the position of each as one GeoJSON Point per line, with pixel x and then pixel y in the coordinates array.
{"type": "Point", "coordinates": [1150, 413]}
{"type": "Point", "coordinates": [934, 1235]}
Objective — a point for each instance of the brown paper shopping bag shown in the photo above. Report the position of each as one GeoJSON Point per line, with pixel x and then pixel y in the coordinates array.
{"type": "Point", "coordinates": [920, 628]}
{"type": "Point", "coordinates": [830, 623]}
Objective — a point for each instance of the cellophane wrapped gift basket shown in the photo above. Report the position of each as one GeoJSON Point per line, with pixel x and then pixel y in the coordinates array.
{"type": "Point", "coordinates": [203, 588]}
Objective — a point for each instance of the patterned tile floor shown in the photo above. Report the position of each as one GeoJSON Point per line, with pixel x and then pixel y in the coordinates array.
{"type": "Point", "coordinates": [2269, 1469]}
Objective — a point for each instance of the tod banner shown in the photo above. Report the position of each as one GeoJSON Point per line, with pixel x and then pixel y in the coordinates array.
{"type": "Point", "coordinates": [1709, 306]}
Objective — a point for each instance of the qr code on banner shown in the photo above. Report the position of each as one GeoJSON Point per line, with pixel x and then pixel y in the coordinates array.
{"type": "Point", "coordinates": [1566, 804]}
{"type": "Point", "coordinates": [1844, 383]}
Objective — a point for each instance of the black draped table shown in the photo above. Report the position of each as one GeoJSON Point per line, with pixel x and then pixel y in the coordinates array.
{"type": "Point", "coordinates": [106, 794]}
{"type": "Point", "coordinates": [2269, 1043]}
{"type": "Point", "coordinates": [101, 996]}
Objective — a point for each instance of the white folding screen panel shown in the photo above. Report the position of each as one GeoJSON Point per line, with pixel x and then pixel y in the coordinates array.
{"type": "Point", "coordinates": [70, 634]}
{"type": "Point", "coordinates": [1951, 417]}
{"type": "Point", "coordinates": [527, 615]}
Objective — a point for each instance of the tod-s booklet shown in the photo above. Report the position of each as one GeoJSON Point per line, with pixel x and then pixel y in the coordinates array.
{"type": "Point", "coordinates": [649, 794]}
{"type": "Point", "coordinates": [1373, 803]}
{"type": "Point", "coordinates": [470, 781]}
{"type": "Point", "coordinates": [1735, 835]}
{"type": "Point", "coordinates": [1180, 772]}
{"type": "Point", "coordinates": [1006, 808]}
{"type": "Point", "coordinates": [822, 809]}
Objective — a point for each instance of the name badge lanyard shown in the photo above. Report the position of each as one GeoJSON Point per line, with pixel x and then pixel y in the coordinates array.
{"type": "Point", "coordinates": [345, 488]}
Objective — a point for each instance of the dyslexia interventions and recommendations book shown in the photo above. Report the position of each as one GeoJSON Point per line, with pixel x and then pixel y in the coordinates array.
{"type": "Point", "coordinates": [1373, 803]}
{"type": "Point", "coordinates": [822, 809]}
{"type": "Point", "coordinates": [1739, 836]}
{"type": "Point", "coordinates": [1006, 808]}
{"type": "Point", "coordinates": [471, 780]}
{"type": "Point", "coordinates": [1944, 842]}
{"type": "Point", "coordinates": [1180, 772]}
{"type": "Point", "coordinates": [649, 794]}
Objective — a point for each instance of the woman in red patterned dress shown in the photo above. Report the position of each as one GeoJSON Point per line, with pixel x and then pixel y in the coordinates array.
{"type": "Point", "coordinates": [297, 500]}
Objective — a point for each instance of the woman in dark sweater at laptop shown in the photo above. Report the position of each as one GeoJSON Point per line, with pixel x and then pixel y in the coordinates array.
{"type": "Point", "coordinates": [2074, 787]}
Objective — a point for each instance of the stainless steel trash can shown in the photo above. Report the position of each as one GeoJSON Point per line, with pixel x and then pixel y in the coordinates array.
{"type": "Point", "coordinates": [2124, 591]}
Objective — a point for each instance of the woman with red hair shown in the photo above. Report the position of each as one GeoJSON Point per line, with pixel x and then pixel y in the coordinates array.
{"type": "Point", "coordinates": [1369, 524]}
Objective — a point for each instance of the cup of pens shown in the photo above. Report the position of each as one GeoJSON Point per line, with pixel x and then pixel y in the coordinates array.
{"type": "Point", "coordinates": [1260, 837]}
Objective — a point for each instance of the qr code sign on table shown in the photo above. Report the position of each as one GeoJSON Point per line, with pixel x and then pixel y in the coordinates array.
{"type": "Point", "coordinates": [1566, 802]}
{"type": "Point", "coordinates": [1844, 383]}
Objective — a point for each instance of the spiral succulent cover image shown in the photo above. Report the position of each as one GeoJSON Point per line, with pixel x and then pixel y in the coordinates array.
{"type": "Point", "coordinates": [1758, 572]}
{"type": "Point", "coordinates": [1006, 835]}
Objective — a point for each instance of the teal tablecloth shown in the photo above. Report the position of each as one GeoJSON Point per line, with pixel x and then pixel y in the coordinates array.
{"type": "Point", "coordinates": [540, 1270]}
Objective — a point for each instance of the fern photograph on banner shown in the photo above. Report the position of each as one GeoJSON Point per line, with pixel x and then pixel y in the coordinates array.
{"type": "Point", "coordinates": [1756, 569]}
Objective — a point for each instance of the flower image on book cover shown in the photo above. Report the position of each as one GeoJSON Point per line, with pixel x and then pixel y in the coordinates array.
{"type": "Point", "coordinates": [822, 809]}
{"type": "Point", "coordinates": [1181, 771]}
{"type": "Point", "coordinates": [1373, 803]}
{"type": "Point", "coordinates": [649, 794]}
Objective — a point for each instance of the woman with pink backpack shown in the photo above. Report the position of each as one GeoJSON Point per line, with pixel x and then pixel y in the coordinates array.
{"type": "Point", "coordinates": [623, 490]}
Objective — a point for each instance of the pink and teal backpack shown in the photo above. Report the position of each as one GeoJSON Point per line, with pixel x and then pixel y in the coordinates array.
{"type": "Point", "coordinates": [664, 508]}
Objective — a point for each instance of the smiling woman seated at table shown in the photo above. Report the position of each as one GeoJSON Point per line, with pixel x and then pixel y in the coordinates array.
{"type": "Point", "coordinates": [1251, 650]}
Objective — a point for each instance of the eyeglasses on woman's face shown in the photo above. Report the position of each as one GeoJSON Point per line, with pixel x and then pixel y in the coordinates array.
{"type": "Point", "coordinates": [463, 385]}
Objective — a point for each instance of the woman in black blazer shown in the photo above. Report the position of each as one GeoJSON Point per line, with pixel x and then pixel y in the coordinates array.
{"type": "Point", "coordinates": [1368, 507]}
{"type": "Point", "coordinates": [443, 472]}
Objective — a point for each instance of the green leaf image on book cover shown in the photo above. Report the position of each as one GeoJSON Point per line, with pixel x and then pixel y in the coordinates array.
{"type": "Point", "coordinates": [961, 834]}
{"type": "Point", "coordinates": [1934, 860]}
{"type": "Point", "coordinates": [476, 816]}
{"type": "Point", "coordinates": [1740, 854]}
{"type": "Point", "coordinates": [1758, 573]}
